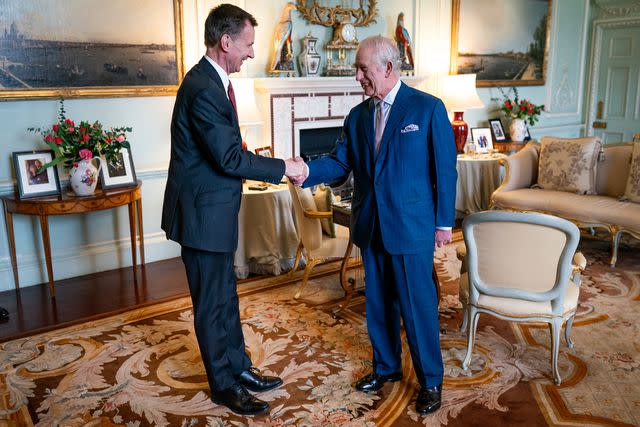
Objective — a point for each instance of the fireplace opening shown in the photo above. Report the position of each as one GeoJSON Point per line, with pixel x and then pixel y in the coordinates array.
{"type": "Point", "coordinates": [319, 142]}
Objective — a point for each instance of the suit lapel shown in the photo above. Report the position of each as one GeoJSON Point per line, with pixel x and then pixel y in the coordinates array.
{"type": "Point", "coordinates": [398, 110]}
{"type": "Point", "coordinates": [368, 130]}
{"type": "Point", "coordinates": [211, 72]}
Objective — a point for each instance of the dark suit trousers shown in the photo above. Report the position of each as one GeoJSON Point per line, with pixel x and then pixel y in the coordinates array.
{"type": "Point", "coordinates": [212, 283]}
{"type": "Point", "coordinates": [402, 285]}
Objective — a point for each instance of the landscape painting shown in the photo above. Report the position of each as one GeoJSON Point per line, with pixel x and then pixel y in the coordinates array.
{"type": "Point", "coordinates": [504, 42]}
{"type": "Point", "coordinates": [74, 48]}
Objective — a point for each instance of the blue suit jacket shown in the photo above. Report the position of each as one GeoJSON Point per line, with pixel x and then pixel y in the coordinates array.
{"type": "Point", "coordinates": [410, 185]}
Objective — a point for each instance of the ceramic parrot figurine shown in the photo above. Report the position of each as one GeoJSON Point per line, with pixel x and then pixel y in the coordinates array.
{"type": "Point", "coordinates": [283, 51]}
{"type": "Point", "coordinates": [404, 43]}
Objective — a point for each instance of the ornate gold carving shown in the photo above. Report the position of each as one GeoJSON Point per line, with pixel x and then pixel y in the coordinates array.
{"type": "Point", "coordinates": [334, 16]}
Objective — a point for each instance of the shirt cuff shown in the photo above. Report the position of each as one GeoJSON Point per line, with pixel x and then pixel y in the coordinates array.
{"type": "Point", "coordinates": [444, 228]}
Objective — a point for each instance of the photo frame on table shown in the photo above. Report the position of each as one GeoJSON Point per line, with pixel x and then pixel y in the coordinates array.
{"type": "Point", "coordinates": [51, 50]}
{"type": "Point", "coordinates": [30, 182]}
{"type": "Point", "coordinates": [483, 140]}
{"type": "Point", "coordinates": [527, 135]}
{"type": "Point", "coordinates": [120, 174]}
{"type": "Point", "coordinates": [497, 130]}
{"type": "Point", "coordinates": [264, 151]}
{"type": "Point", "coordinates": [513, 53]}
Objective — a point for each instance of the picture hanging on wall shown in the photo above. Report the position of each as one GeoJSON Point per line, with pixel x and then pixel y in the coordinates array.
{"type": "Point", "coordinates": [511, 52]}
{"type": "Point", "coordinates": [54, 48]}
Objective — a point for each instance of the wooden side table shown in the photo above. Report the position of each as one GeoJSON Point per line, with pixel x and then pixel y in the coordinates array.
{"type": "Point", "coordinates": [67, 204]}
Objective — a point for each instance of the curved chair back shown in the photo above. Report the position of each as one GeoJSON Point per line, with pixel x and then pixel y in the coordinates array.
{"type": "Point", "coordinates": [519, 255]}
{"type": "Point", "coordinates": [309, 229]}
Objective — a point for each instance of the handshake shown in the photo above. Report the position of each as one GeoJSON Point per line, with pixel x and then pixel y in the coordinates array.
{"type": "Point", "coordinates": [296, 170]}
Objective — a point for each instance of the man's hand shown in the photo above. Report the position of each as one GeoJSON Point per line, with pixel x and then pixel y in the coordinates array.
{"type": "Point", "coordinates": [442, 237]}
{"type": "Point", "coordinates": [296, 170]}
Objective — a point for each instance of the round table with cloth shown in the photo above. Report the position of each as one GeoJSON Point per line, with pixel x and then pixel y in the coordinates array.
{"type": "Point", "coordinates": [478, 177]}
{"type": "Point", "coordinates": [267, 237]}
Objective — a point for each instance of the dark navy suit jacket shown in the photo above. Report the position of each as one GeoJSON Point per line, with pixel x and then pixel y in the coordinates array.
{"type": "Point", "coordinates": [204, 184]}
{"type": "Point", "coordinates": [410, 185]}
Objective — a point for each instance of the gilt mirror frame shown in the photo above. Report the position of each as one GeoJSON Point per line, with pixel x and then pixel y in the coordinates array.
{"type": "Point", "coordinates": [84, 64]}
{"type": "Point", "coordinates": [500, 61]}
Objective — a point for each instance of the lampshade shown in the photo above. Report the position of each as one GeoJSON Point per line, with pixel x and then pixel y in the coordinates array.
{"type": "Point", "coordinates": [459, 92]}
{"type": "Point", "coordinates": [248, 113]}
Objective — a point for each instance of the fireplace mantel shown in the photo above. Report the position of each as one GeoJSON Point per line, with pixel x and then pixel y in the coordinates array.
{"type": "Point", "coordinates": [293, 103]}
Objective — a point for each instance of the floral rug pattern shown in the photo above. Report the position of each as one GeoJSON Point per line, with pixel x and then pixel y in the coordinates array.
{"type": "Point", "coordinates": [143, 367]}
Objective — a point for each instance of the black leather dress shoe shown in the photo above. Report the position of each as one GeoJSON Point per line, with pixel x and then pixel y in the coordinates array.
{"type": "Point", "coordinates": [240, 401]}
{"type": "Point", "coordinates": [374, 382]}
{"type": "Point", "coordinates": [254, 381]}
{"type": "Point", "coordinates": [428, 400]}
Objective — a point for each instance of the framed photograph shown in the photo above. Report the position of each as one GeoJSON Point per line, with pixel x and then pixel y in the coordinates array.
{"type": "Point", "coordinates": [264, 151]}
{"type": "Point", "coordinates": [527, 135]}
{"type": "Point", "coordinates": [92, 48]}
{"type": "Point", "coordinates": [497, 130]}
{"type": "Point", "coordinates": [30, 182]}
{"type": "Point", "coordinates": [120, 174]}
{"type": "Point", "coordinates": [482, 138]}
{"type": "Point", "coordinates": [511, 52]}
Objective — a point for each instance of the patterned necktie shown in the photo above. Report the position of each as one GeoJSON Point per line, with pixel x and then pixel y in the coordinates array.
{"type": "Point", "coordinates": [232, 98]}
{"type": "Point", "coordinates": [379, 123]}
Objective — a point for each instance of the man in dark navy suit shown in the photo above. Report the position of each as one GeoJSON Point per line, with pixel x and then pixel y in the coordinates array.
{"type": "Point", "coordinates": [399, 145]}
{"type": "Point", "coordinates": [202, 200]}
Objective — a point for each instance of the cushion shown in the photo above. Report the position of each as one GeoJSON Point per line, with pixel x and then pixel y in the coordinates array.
{"type": "Point", "coordinates": [568, 164]}
{"type": "Point", "coordinates": [324, 199]}
{"type": "Point", "coordinates": [632, 191]}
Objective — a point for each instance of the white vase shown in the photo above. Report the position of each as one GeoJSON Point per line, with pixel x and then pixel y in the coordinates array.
{"type": "Point", "coordinates": [84, 177]}
{"type": "Point", "coordinates": [517, 129]}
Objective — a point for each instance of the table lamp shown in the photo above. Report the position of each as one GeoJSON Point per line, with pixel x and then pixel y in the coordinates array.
{"type": "Point", "coordinates": [459, 94]}
{"type": "Point", "coordinates": [248, 113]}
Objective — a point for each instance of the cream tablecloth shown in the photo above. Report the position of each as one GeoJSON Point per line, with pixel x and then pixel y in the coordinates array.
{"type": "Point", "coordinates": [267, 237]}
{"type": "Point", "coordinates": [478, 177]}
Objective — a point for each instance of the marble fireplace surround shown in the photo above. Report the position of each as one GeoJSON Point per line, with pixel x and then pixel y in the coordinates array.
{"type": "Point", "coordinates": [290, 104]}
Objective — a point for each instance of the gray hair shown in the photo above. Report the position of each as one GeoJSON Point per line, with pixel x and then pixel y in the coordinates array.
{"type": "Point", "coordinates": [384, 50]}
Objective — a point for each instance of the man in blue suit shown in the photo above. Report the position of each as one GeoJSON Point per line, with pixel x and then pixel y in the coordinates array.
{"type": "Point", "coordinates": [202, 200]}
{"type": "Point", "coordinates": [399, 144]}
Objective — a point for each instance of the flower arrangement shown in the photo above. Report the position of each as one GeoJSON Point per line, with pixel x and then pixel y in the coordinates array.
{"type": "Point", "coordinates": [517, 108]}
{"type": "Point", "coordinates": [72, 143]}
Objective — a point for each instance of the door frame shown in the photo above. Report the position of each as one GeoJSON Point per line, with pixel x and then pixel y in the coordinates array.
{"type": "Point", "coordinates": [599, 26]}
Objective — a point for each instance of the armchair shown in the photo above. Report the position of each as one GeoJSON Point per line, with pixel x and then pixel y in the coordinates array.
{"type": "Point", "coordinates": [519, 268]}
{"type": "Point", "coordinates": [317, 246]}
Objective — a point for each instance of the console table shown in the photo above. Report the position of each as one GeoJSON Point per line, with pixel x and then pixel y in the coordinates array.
{"type": "Point", "coordinates": [67, 204]}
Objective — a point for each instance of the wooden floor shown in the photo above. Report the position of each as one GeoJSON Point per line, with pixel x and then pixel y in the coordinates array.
{"type": "Point", "coordinates": [31, 309]}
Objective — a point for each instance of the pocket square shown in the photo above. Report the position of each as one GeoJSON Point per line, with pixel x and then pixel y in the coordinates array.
{"type": "Point", "coordinates": [410, 128]}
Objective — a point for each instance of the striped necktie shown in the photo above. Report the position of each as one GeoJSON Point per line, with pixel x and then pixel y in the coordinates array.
{"type": "Point", "coordinates": [380, 123]}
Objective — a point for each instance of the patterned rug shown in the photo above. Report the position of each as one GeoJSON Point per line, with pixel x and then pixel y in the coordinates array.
{"type": "Point", "coordinates": [143, 367]}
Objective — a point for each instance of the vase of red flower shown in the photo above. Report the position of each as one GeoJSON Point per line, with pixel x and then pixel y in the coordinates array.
{"type": "Point", "coordinates": [520, 111]}
{"type": "Point", "coordinates": [75, 145]}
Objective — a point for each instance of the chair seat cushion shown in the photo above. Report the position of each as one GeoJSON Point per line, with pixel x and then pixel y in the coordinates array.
{"type": "Point", "coordinates": [585, 208]}
{"type": "Point", "coordinates": [520, 308]}
{"type": "Point", "coordinates": [333, 247]}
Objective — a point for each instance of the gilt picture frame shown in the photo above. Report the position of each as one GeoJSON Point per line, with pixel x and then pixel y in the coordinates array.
{"type": "Point", "coordinates": [120, 174]}
{"type": "Point", "coordinates": [513, 53]}
{"type": "Point", "coordinates": [54, 48]}
{"type": "Point", "coordinates": [30, 182]}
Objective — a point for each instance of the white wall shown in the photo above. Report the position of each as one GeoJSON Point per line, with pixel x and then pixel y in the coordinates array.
{"type": "Point", "coordinates": [83, 244]}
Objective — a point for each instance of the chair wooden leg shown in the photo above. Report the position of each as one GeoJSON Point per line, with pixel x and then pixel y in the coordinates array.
{"type": "Point", "coordinates": [615, 241]}
{"type": "Point", "coordinates": [307, 271]}
{"type": "Point", "coordinates": [471, 335]}
{"type": "Point", "coordinates": [567, 331]}
{"type": "Point", "coordinates": [296, 263]}
{"type": "Point", "coordinates": [556, 325]}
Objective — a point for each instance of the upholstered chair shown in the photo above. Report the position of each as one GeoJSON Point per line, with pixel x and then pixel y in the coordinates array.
{"type": "Point", "coordinates": [521, 267]}
{"type": "Point", "coordinates": [317, 247]}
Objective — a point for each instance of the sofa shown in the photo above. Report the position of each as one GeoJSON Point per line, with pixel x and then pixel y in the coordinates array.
{"type": "Point", "coordinates": [604, 209]}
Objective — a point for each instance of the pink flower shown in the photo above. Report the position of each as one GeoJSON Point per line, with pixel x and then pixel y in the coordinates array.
{"type": "Point", "coordinates": [85, 154]}
{"type": "Point", "coordinates": [120, 138]}
{"type": "Point", "coordinates": [71, 129]}
{"type": "Point", "coordinates": [48, 138]}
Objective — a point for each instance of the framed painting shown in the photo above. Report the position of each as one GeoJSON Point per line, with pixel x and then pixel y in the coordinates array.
{"type": "Point", "coordinates": [264, 151]}
{"type": "Point", "coordinates": [503, 42]}
{"type": "Point", "coordinates": [119, 174]}
{"type": "Point", "coordinates": [31, 182]}
{"type": "Point", "coordinates": [90, 48]}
